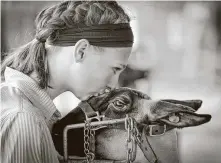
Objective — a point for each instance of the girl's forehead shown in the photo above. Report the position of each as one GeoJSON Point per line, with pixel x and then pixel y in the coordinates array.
{"type": "Point", "coordinates": [123, 50]}
{"type": "Point", "coordinates": [118, 54]}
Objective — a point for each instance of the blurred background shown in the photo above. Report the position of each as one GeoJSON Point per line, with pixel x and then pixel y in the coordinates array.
{"type": "Point", "coordinates": [177, 54]}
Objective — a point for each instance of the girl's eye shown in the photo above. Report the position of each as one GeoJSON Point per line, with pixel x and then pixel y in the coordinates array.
{"type": "Point", "coordinates": [116, 69]}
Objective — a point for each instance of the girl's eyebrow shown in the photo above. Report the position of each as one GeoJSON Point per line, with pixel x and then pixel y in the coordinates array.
{"type": "Point", "coordinates": [123, 66]}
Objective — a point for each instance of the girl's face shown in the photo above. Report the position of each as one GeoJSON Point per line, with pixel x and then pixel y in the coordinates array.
{"type": "Point", "coordinates": [98, 69]}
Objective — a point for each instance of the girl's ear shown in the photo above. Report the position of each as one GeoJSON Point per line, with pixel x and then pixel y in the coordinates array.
{"type": "Point", "coordinates": [80, 50]}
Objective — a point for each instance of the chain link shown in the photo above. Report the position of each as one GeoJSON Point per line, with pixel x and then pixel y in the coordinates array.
{"type": "Point", "coordinates": [136, 133]}
{"type": "Point", "coordinates": [88, 134]}
{"type": "Point", "coordinates": [131, 144]}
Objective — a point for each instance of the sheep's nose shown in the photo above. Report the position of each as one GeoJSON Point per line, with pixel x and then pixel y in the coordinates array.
{"type": "Point", "coordinates": [113, 82]}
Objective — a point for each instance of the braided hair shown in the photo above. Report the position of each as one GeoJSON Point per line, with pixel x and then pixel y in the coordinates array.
{"type": "Point", "coordinates": [32, 57]}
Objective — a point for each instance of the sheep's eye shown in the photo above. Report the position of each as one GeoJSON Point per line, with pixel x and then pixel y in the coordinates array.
{"type": "Point", "coordinates": [119, 103]}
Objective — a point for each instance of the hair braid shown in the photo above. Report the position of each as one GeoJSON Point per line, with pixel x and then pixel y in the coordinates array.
{"type": "Point", "coordinates": [47, 22]}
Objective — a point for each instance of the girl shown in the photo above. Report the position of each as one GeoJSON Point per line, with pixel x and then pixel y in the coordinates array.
{"type": "Point", "coordinates": [79, 46]}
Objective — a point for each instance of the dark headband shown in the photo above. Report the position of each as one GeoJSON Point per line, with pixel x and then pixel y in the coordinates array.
{"type": "Point", "coordinates": [104, 35]}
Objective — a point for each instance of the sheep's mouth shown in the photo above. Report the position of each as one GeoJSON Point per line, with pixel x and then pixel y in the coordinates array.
{"type": "Point", "coordinates": [185, 119]}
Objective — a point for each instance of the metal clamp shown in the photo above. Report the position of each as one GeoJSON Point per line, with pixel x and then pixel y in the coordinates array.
{"type": "Point", "coordinates": [82, 125]}
{"type": "Point", "coordinates": [94, 116]}
{"type": "Point", "coordinates": [151, 130]}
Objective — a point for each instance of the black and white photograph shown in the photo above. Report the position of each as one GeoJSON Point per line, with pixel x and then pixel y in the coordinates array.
{"type": "Point", "coordinates": [116, 81]}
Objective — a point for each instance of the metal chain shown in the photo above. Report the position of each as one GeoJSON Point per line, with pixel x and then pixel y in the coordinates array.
{"type": "Point", "coordinates": [88, 133]}
{"type": "Point", "coordinates": [136, 133]}
{"type": "Point", "coordinates": [131, 144]}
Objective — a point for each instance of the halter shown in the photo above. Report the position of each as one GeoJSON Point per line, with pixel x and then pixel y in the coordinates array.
{"type": "Point", "coordinates": [134, 137]}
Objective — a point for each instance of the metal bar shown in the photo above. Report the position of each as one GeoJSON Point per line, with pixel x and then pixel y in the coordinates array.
{"type": "Point", "coordinates": [76, 158]}
{"type": "Point", "coordinates": [97, 161]}
{"type": "Point", "coordinates": [106, 122]}
{"type": "Point", "coordinates": [81, 125]}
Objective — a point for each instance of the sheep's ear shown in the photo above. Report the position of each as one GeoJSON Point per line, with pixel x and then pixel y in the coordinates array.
{"type": "Point", "coordinates": [178, 113]}
{"type": "Point", "coordinates": [195, 104]}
